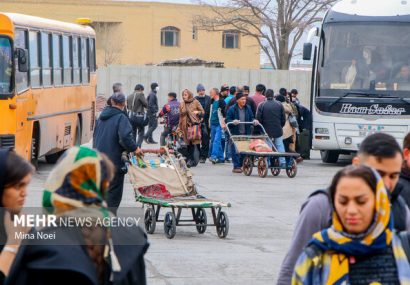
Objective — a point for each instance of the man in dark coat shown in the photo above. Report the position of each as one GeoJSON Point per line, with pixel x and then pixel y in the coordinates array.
{"type": "Point", "coordinates": [205, 101]}
{"type": "Point", "coordinates": [237, 114]}
{"type": "Point", "coordinates": [113, 135]}
{"type": "Point", "coordinates": [249, 102]}
{"type": "Point", "coordinates": [136, 104]}
{"type": "Point", "coordinates": [152, 113]}
{"type": "Point", "coordinates": [271, 115]}
{"type": "Point", "coordinates": [303, 143]}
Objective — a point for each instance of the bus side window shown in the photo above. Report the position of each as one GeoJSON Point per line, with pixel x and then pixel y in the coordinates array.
{"type": "Point", "coordinates": [76, 58]}
{"type": "Point", "coordinates": [46, 59]}
{"type": "Point", "coordinates": [57, 66]}
{"type": "Point", "coordinates": [67, 61]}
{"type": "Point", "coordinates": [34, 59]}
{"type": "Point", "coordinates": [20, 41]}
{"type": "Point", "coordinates": [91, 55]}
{"type": "Point", "coordinates": [84, 62]}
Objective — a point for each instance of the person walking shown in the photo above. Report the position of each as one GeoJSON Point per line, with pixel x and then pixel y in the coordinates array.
{"type": "Point", "coordinates": [360, 246]}
{"type": "Point", "coordinates": [171, 111]}
{"type": "Point", "coordinates": [227, 140]}
{"type": "Point", "coordinates": [191, 114]}
{"type": "Point", "coordinates": [205, 101]}
{"type": "Point", "coordinates": [379, 151]}
{"type": "Point", "coordinates": [259, 96]}
{"type": "Point", "coordinates": [217, 123]}
{"type": "Point", "coordinates": [112, 136]}
{"type": "Point", "coordinates": [287, 128]}
{"type": "Point", "coordinates": [94, 253]}
{"type": "Point", "coordinates": [303, 142]}
{"type": "Point", "coordinates": [240, 112]}
{"type": "Point", "coordinates": [224, 91]}
{"type": "Point", "coordinates": [152, 114]}
{"type": "Point", "coordinates": [136, 105]}
{"type": "Point", "coordinates": [271, 114]}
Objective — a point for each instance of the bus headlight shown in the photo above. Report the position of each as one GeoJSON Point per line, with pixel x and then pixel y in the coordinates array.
{"type": "Point", "coordinates": [322, 131]}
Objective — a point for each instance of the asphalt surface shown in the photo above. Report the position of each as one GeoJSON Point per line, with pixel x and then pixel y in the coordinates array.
{"type": "Point", "coordinates": [261, 220]}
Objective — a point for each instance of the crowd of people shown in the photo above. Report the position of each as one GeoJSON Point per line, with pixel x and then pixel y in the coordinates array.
{"type": "Point", "coordinates": [353, 232]}
{"type": "Point", "coordinates": [202, 121]}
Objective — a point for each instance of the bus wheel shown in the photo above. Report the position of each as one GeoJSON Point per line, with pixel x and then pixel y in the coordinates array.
{"type": "Point", "coordinates": [52, 158]}
{"type": "Point", "coordinates": [329, 156]}
{"type": "Point", "coordinates": [35, 141]}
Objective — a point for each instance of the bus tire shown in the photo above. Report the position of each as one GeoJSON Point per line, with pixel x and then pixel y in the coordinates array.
{"type": "Point", "coordinates": [35, 142]}
{"type": "Point", "coordinates": [53, 158]}
{"type": "Point", "coordinates": [329, 156]}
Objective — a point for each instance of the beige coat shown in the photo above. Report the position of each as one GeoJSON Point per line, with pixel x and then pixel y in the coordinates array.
{"type": "Point", "coordinates": [287, 128]}
{"type": "Point", "coordinates": [187, 117]}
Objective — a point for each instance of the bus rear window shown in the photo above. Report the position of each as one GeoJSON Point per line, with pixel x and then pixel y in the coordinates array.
{"type": "Point", "coordinates": [5, 66]}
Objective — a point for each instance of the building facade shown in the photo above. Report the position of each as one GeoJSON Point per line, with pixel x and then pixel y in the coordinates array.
{"type": "Point", "coordinates": [144, 33]}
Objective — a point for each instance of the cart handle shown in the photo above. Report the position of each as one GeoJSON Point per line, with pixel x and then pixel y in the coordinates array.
{"type": "Point", "coordinates": [246, 123]}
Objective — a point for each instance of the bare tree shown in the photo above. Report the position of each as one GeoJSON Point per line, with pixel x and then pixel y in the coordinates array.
{"type": "Point", "coordinates": [277, 25]}
{"type": "Point", "coordinates": [109, 41]}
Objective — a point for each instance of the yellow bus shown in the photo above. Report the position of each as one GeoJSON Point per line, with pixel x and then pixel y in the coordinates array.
{"type": "Point", "coordinates": [47, 85]}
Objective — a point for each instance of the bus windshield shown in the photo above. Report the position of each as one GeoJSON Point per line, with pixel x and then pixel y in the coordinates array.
{"type": "Point", "coordinates": [5, 66]}
{"type": "Point", "coordinates": [365, 57]}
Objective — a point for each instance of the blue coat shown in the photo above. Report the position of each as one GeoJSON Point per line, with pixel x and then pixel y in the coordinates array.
{"type": "Point", "coordinates": [233, 114]}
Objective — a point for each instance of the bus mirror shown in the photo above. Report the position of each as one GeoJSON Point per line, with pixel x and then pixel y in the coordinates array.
{"type": "Point", "coordinates": [22, 58]}
{"type": "Point", "coordinates": [307, 51]}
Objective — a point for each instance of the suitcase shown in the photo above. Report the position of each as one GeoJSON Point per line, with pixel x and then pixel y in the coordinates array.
{"type": "Point", "coordinates": [303, 146]}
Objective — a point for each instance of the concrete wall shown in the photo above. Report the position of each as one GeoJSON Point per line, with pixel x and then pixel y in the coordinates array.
{"type": "Point", "coordinates": [178, 78]}
{"type": "Point", "coordinates": [134, 34]}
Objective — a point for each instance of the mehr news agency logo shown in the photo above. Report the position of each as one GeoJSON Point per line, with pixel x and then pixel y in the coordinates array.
{"type": "Point", "coordinates": [53, 221]}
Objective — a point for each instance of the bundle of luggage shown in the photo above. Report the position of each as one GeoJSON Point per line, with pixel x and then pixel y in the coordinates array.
{"type": "Point", "coordinates": [259, 145]}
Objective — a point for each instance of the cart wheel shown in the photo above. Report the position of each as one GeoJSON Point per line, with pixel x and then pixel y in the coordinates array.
{"type": "Point", "coordinates": [262, 167]}
{"type": "Point", "coordinates": [200, 220]}
{"type": "Point", "coordinates": [150, 220]}
{"type": "Point", "coordinates": [247, 165]}
{"type": "Point", "coordinates": [222, 225]}
{"type": "Point", "coordinates": [276, 170]}
{"type": "Point", "coordinates": [292, 170]}
{"type": "Point", "coordinates": [170, 225]}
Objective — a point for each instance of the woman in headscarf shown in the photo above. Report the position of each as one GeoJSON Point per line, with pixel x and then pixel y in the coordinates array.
{"type": "Point", "coordinates": [191, 114]}
{"type": "Point", "coordinates": [15, 175]}
{"type": "Point", "coordinates": [92, 253]}
{"type": "Point", "coordinates": [360, 247]}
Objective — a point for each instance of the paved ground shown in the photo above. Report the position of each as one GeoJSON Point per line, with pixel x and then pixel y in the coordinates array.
{"type": "Point", "coordinates": [261, 222]}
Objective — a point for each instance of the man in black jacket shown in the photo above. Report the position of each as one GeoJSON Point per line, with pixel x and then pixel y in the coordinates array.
{"type": "Point", "coordinates": [404, 181]}
{"type": "Point", "coordinates": [113, 135]}
{"type": "Point", "coordinates": [152, 113]}
{"type": "Point", "coordinates": [271, 115]}
{"type": "Point", "coordinates": [205, 101]}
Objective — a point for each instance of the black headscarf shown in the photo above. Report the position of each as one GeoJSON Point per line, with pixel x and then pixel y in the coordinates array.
{"type": "Point", "coordinates": [4, 153]}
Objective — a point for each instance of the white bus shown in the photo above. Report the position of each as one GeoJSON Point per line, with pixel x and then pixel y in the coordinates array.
{"type": "Point", "coordinates": [361, 74]}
